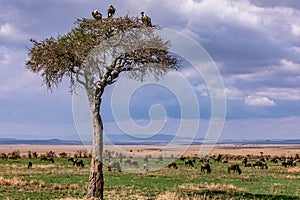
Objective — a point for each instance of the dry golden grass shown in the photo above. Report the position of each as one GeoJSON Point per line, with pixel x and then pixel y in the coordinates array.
{"type": "Point", "coordinates": [13, 181]}
{"type": "Point", "coordinates": [41, 184]}
{"type": "Point", "coordinates": [33, 182]}
{"type": "Point", "coordinates": [155, 150]}
{"type": "Point", "coordinates": [126, 193]}
{"type": "Point", "coordinates": [197, 192]}
{"type": "Point", "coordinates": [293, 170]}
{"type": "Point", "coordinates": [212, 188]}
{"type": "Point", "coordinates": [43, 148]}
{"type": "Point", "coordinates": [174, 196]}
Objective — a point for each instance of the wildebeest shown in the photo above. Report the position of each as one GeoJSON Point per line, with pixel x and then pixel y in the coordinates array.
{"type": "Point", "coordinates": [182, 158]}
{"type": "Point", "coordinates": [274, 160]}
{"type": "Point", "coordinates": [260, 165]}
{"type": "Point", "coordinates": [288, 162]}
{"type": "Point", "coordinates": [115, 166]}
{"type": "Point", "coordinates": [189, 163]}
{"type": "Point", "coordinates": [206, 167]}
{"type": "Point", "coordinates": [48, 159]}
{"type": "Point", "coordinates": [4, 156]}
{"type": "Point", "coordinates": [219, 158]}
{"type": "Point", "coordinates": [202, 160]}
{"type": "Point", "coordinates": [245, 161]}
{"type": "Point", "coordinates": [235, 168]}
{"type": "Point", "coordinates": [127, 161]}
{"type": "Point", "coordinates": [173, 164]}
{"type": "Point", "coordinates": [71, 160]}
{"type": "Point", "coordinates": [248, 165]}
{"type": "Point", "coordinates": [29, 165]}
{"type": "Point", "coordinates": [78, 163]}
{"type": "Point", "coordinates": [146, 160]}
{"type": "Point", "coordinates": [135, 163]}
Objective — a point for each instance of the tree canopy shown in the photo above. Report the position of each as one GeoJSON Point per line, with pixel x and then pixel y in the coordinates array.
{"type": "Point", "coordinates": [122, 44]}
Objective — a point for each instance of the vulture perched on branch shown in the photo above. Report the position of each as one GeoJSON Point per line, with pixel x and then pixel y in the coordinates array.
{"type": "Point", "coordinates": [146, 20]}
{"type": "Point", "coordinates": [96, 14]}
{"type": "Point", "coordinates": [110, 11]}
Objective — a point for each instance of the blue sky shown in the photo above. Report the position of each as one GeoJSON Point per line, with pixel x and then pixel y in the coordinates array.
{"type": "Point", "coordinates": [254, 44]}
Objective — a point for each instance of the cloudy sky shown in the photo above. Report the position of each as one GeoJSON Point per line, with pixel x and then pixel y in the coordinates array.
{"type": "Point", "coordinates": [254, 44]}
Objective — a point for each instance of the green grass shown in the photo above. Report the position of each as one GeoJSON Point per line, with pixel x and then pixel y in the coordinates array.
{"type": "Point", "coordinates": [63, 180]}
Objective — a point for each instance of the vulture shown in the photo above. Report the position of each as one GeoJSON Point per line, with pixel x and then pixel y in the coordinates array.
{"type": "Point", "coordinates": [96, 14]}
{"type": "Point", "coordinates": [110, 11]}
{"type": "Point", "coordinates": [146, 20]}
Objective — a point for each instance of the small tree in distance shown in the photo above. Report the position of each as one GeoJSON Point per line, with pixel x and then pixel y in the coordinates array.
{"type": "Point", "coordinates": [93, 54]}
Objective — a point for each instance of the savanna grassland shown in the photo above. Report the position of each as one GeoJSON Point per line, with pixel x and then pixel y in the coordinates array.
{"type": "Point", "coordinates": [63, 180]}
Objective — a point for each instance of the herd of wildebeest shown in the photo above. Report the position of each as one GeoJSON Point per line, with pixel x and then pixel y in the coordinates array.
{"type": "Point", "coordinates": [48, 157]}
{"type": "Point", "coordinates": [114, 160]}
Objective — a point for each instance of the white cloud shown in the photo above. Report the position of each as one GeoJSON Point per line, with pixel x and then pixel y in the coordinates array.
{"type": "Point", "coordinates": [11, 33]}
{"type": "Point", "coordinates": [5, 30]}
{"type": "Point", "coordinates": [233, 93]}
{"type": "Point", "coordinates": [281, 93]}
{"type": "Point", "coordinates": [289, 66]}
{"type": "Point", "coordinates": [296, 29]}
{"type": "Point", "coordinates": [259, 101]}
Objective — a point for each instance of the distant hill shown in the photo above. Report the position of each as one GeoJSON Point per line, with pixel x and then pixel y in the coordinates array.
{"type": "Point", "coordinates": [11, 141]}
{"type": "Point", "coordinates": [159, 139]}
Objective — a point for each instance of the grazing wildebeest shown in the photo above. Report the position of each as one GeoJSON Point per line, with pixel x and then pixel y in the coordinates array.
{"type": "Point", "coordinates": [71, 160]}
{"type": "Point", "coordinates": [135, 163]}
{"type": "Point", "coordinates": [274, 160]}
{"type": "Point", "coordinates": [219, 158]}
{"type": "Point", "coordinates": [206, 167]}
{"type": "Point", "coordinates": [262, 159]}
{"type": "Point", "coordinates": [245, 161]}
{"type": "Point", "coordinates": [115, 166]}
{"type": "Point", "coordinates": [202, 160]}
{"type": "Point", "coordinates": [173, 164]}
{"type": "Point", "coordinates": [78, 163]}
{"type": "Point", "coordinates": [288, 162]}
{"type": "Point", "coordinates": [48, 159]}
{"type": "Point", "coordinates": [127, 161]}
{"type": "Point", "coordinates": [146, 159]}
{"type": "Point", "coordinates": [182, 158]}
{"type": "Point", "coordinates": [189, 163]}
{"type": "Point", "coordinates": [248, 165]}
{"type": "Point", "coordinates": [235, 168]}
{"type": "Point", "coordinates": [34, 155]}
{"type": "Point", "coordinates": [260, 165]}
{"type": "Point", "coordinates": [29, 165]}
{"type": "Point", "coordinates": [4, 156]}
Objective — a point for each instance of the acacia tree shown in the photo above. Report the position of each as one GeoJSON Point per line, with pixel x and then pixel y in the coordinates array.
{"type": "Point", "coordinates": [93, 54]}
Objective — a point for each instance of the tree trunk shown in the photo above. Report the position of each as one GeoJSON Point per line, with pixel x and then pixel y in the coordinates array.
{"type": "Point", "coordinates": [96, 179]}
